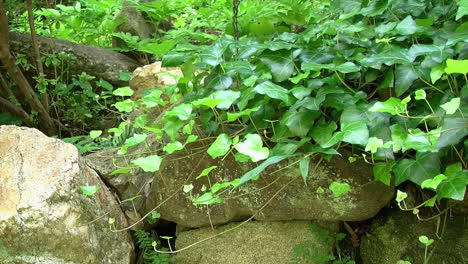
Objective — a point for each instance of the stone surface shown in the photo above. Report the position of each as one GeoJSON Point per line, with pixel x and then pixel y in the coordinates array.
{"type": "Point", "coordinates": [255, 243]}
{"type": "Point", "coordinates": [152, 76]}
{"type": "Point", "coordinates": [133, 22]}
{"type": "Point", "coordinates": [394, 236]}
{"type": "Point", "coordinates": [44, 217]}
{"type": "Point", "coordinates": [99, 62]}
{"type": "Point", "coordinates": [292, 199]}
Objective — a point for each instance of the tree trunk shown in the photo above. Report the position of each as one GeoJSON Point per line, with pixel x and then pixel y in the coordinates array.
{"type": "Point", "coordinates": [18, 77]}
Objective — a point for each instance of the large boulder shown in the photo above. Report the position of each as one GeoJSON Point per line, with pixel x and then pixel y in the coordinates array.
{"type": "Point", "coordinates": [279, 193]}
{"type": "Point", "coordinates": [256, 243]}
{"type": "Point", "coordinates": [44, 217]}
{"type": "Point", "coordinates": [395, 236]}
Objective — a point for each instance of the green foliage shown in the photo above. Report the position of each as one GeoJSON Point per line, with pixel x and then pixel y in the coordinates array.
{"type": "Point", "coordinates": [145, 243]}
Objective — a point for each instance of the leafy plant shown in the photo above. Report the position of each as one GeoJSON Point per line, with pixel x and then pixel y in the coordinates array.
{"type": "Point", "coordinates": [146, 244]}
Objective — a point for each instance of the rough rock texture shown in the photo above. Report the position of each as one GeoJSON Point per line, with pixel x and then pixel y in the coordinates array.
{"type": "Point", "coordinates": [99, 62]}
{"type": "Point", "coordinates": [44, 217]}
{"type": "Point", "coordinates": [255, 243]}
{"type": "Point", "coordinates": [133, 22]}
{"type": "Point", "coordinates": [295, 202]}
{"type": "Point", "coordinates": [152, 76]}
{"type": "Point", "coordinates": [395, 236]}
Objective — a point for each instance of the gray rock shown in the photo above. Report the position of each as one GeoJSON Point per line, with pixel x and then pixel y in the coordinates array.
{"type": "Point", "coordinates": [256, 243]}
{"type": "Point", "coordinates": [44, 217]}
{"type": "Point", "coordinates": [292, 201]}
{"type": "Point", "coordinates": [395, 237]}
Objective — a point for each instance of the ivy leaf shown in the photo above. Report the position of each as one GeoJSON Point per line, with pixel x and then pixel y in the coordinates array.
{"type": "Point", "coordinates": [392, 106]}
{"type": "Point", "coordinates": [404, 78]}
{"type": "Point", "coordinates": [190, 139]}
{"type": "Point", "coordinates": [299, 123]}
{"type": "Point", "coordinates": [323, 132]}
{"type": "Point", "coordinates": [228, 98]}
{"type": "Point", "coordinates": [213, 55]}
{"type": "Point", "coordinates": [373, 144]}
{"type": "Point", "coordinates": [348, 67]}
{"type": "Point", "coordinates": [407, 26]}
{"type": "Point", "coordinates": [426, 166]}
{"type": "Point", "coordinates": [456, 66]}
{"type": "Point", "coordinates": [420, 141]}
{"type": "Point", "coordinates": [273, 91]}
{"type": "Point", "coordinates": [93, 134]}
{"type": "Point", "coordinates": [299, 77]}
{"type": "Point", "coordinates": [233, 116]}
{"type": "Point", "coordinates": [257, 170]}
{"type": "Point", "coordinates": [398, 137]}
{"type": "Point", "coordinates": [339, 189]}
{"type": "Point", "coordinates": [205, 172]}
{"type": "Point", "coordinates": [304, 168]}
{"type": "Point", "coordinates": [433, 183]}
{"type": "Point", "coordinates": [355, 132]}
{"type": "Point", "coordinates": [420, 94]}
{"type": "Point", "coordinates": [183, 111]}
{"type": "Point", "coordinates": [337, 137]}
{"type": "Point", "coordinates": [452, 106]}
{"type": "Point", "coordinates": [382, 173]}
{"type": "Point", "coordinates": [172, 127]}
{"type": "Point", "coordinates": [207, 199]}
{"type": "Point", "coordinates": [437, 72]}
{"type": "Point", "coordinates": [125, 106]}
{"type": "Point", "coordinates": [132, 141]}
{"type": "Point", "coordinates": [123, 91]}
{"type": "Point", "coordinates": [280, 63]}
{"type": "Point", "coordinates": [453, 130]}
{"type": "Point", "coordinates": [89, 190]}
{"type": "Point", "coordinates": [462, 9]}
{"type": "Point", "coordinates": [252, 147]}
{"type": "Point", "coordinates": [455, 186]}
{"type": "Point", "coordinates": [173, 146]}
{"type": "Point", "coordinates": [220, 146]}
{"type": "Point", "coordinates": [218, 81]}
{"type": "Point", "coordinates": [187, 129]}
{"type": "Point", "coordinates": [207, 101]}
{"type": "Point", "coordinates": [148, 164]}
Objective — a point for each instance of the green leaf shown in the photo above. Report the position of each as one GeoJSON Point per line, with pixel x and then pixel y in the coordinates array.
{"type": "Point", "coordinates": [456, 66]}
{"type": "Point", "coordinates": [233, 116]}
{"type": "Point", "coordinates": [453, 130]}
{"type": "Point", "coordinates": [455, 186]}
{"type": "Point", "coordinates": [452, 106]}
{"type": "Point", "coordinates": [433, 183]}
{"type": "Point", "coordinates": [89, 190]}
{"type": "Point", "coordinates": [207, 101]}
{"type": "Point", "coordinates": [426, 241]}
{"type": "Point", "coordinates": [421, 141]}
{"type": "Point", "coordinates": [148, 164]}
{"type": "Point", "coordinates": [220, 146]}
{"type": "Point", "coordinates": [462, 9]}
{"type": "Point", "coordinates": [304, 168]}
{"type": "Point", "coordinates": [187, 129]}
{"type": "Point", "coordinates": [273, 91]}
{"type": "Point", "coordinates": [398, 137]}
{"type": "Point", "coordinates": [187, 188]}
{"type": "Point", "coordinates": [228, 98]}
{"type": "Point", "coordinates": [173, 146]}
{"type": "Point", "coordinates": [125, 106]}
{"type": "Point", "coordinates": [218, 81]}
{"type": "Point", "coordinates": [172, 127]}
{"type": "Point", "coordinates": [407, 26]}
{"type": "Point", "coordinates": [299, 123]}
{"type": "Point", "coordinates": [404, 78]}
{"type": "Point", "coordinates": [348, 67]}
{"type": "Point", "coordinates": [299, 77]}
{"type": "Point", "coordinates": [373, 144]}
{"type": "Point", "coordinates": [392, 106]}
{"type": "Point", "coordinates": [355, 132]}
{"type": "Point", "coordinates": [339, 189]}
{"type": "Point", "coordinates": [213, 55]}
{"type": "Point", "coordinates": [382, 173]}
{"type": "Point", "coordinates": [401, 196]}
{"type": "Point", "coordinates": [322, 132]}
{"type": "Point", "coordinates": [437, 72]}
{"type": "Point", "coordinates": [205, 172]}
{"type": "Point", "coordinates": [123, 91]}
{"type": "Point", "coordinates": [183, 112]}
{"type": "Point", "coordinates": [190, 139]}
{"type": "Point", "coordinates": [125, 76]}
{"type": "Point", "coordinates": [257, 170]}
{"type": "Point", "coordinates": [337, 137]}
{"type": "Point", "coordinates": [252, 147]}
{"type": "Point", "coordinates": [420, 94]}
{"type": "Point", "coordinates": [132, 141]}
{"type": "Point", "coordinates": [426, 166]}
{"type": "Point", "coordinates": [280, 63]}
{"type": "Point", "coordinates": [207, 199]}
{"type": "Point", "coordinates": [93, 134]}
